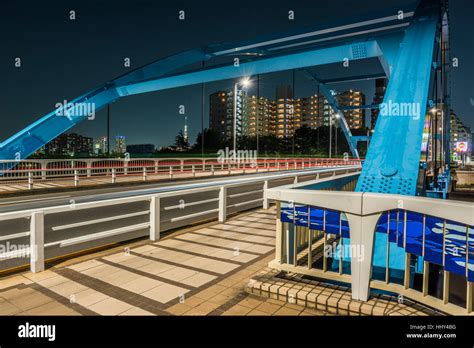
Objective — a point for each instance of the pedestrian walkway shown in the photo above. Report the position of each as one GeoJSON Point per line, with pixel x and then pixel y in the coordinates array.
{"type": "Point", "coordinates": [205, 270]}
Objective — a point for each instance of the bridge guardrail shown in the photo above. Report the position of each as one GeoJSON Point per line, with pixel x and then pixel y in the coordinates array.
{"type": "Point", "coordinates": [33, 172]}
{"type": "Point", "coordinates": [119, 219]}
{"type": "Point", "coordinates": [420, 233]}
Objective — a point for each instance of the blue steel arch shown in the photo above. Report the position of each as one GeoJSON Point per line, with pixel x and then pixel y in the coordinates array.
{"type": "Point", "coordinates": [392, 162]}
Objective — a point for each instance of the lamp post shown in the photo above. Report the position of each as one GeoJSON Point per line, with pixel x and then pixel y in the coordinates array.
{"type": "Point", "coordinates": [331, 117]}
{"type": "Point", "coordinates": [245, 82]}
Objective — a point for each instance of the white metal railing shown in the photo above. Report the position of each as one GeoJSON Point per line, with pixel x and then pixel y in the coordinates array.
{"type": "Point", "coordinates": [166, 211]}
{"type": "Point", "coordinates": [362, 211]}
{"type": "Point", "coordinates": [75, 171]}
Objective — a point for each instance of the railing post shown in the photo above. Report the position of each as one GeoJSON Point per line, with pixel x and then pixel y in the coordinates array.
{"type": "Point", "coordinates": [469, 297]}
{"type": "Point", "coordinates": [182, 166]}
{"type": "Point", "coordinates": [426, 271]}
{"type": "Point", "coordinates": [265, 200]}
{"type": "Point", "coordinates": [144, 174]}
{"type": "Point", "coordinates": [406, 279]}
{"type": "Point", "coordinates": [155, 218]}
{"type": "Point", "coordinates": [125, 167]}
{"type": "Point", "coordinates": [212, 168]}
{"type": "Point", "coordinates": [44, 168]}
{"type": "Point", "coordinates": [194, 170]}
{"type": "Point", "coordinates": [222, 204]}
{"type": "Point", "coordinates": [295, 181]}
{"type": "Point", "coordinates": [114, 176]}
{"type": "Point", "coordinates": [30, 181]}
{"type": "Point", "coordinates": [446, 287]}
{"type": "Point", "coordinates": [171, 172]}
{"type": "Point", "coordinates": [37, 242]}
{"type": "Point", "coordinates": [76, 178]}
{"type": "Point", "coordinates": [156, 167]}
{"type": "Point", "coordinates": [279, 235]}
{"type": "Point", "coordinates": [362, 239]}
{"type": "Point", "coordinates": [89, 172]}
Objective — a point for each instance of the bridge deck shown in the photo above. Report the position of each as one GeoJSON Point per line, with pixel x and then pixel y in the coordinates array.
{"type": "Point", "coordinates": [203, 270]}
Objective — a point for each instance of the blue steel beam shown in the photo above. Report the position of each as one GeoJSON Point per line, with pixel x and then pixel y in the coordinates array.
{"type": "Point", "coordinates": [159, 76]}
{"type": "Point", "coordinates": [268, 64]}
{"type": "Point", "coordinates": [336, 108]}
{"type": "Point", "coordinates": [392, 161]}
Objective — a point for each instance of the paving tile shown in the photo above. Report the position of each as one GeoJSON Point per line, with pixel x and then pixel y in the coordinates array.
{"type": "Point", "coordinates": [237, 310]}
{"type": "Point", "coordinates": [89, 297]}
{"type": "Point", "coordinates": [136, 311]}
{"type": "Point", "coordinates": [198, 279]}
{"type": "Point", "coordinates": [178, 309]}
{"type": "Point", "coordinates": [267, 307]}
{"type": "Point", "coordinates": [52, 308]}
{"type": "Point", "coordinates": [251, 302]}
{"type": "Point", "coordinates": [110, 306]}
{"type": "Point", "coordinates": [257, 312]}
{"type": "Point", "coordinates": [68, 288]}
{"type": "Point", "coordinates": [287, 311]}
{"type": "Point", "coordinates": [14, 280]}
{"type": "Point", "coordinates": [194, 311]}
{"type": "Point", "coordinates": [193, 301]}
{"type": "Point", "coordinates": [25, 299]}
{"type": "Point", "coordinates": [165, 293]}
{"type": "Point", "coordinates": [7, 308]}
{"type": "Point", "coordinates": [206, 307]}
{"type": "Point", "coordinates": [141, 285]}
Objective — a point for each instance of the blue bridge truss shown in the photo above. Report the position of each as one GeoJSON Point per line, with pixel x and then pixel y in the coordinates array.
{"type": "Point", "coordinates": [399, 46]}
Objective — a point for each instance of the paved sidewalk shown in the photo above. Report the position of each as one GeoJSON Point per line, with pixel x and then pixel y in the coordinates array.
{"type": "Point", "coordinates": [205, 270]}
{"type": "Point", "coordinates": [198, 272]}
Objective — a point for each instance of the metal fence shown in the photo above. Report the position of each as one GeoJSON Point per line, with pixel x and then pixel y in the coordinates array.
{"type": "Point", "coordinates": [72, 172]}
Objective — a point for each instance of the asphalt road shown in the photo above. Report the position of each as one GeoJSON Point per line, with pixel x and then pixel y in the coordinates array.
{"type": "Point", "coordinates": [40, 201]}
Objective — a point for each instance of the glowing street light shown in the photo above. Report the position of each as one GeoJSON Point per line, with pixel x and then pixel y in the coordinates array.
{"type": "Point", "coordinates": [245, 82]}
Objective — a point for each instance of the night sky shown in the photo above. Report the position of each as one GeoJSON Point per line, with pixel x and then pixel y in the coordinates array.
{"type": "Point", "coordinates": [62, 59]}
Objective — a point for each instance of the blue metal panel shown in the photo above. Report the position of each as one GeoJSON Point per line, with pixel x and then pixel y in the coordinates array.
{"type": "Point", "coordinates": [345, 226]}
{"type": "Point", "coordinates": [382, 224]}
{"type": "Point", "coordinates": [333, 222]}
{"type": "Point", "coordinates": [316, 218]}
{"type": "Point", "coordinates": [401, 229]}
{"type": "Point", "coordinates": [301, 215]}
{"type": "Point", "coordinates": [434, 240]}
{"type": "Point", "coordinates": [287, 212]}
{"type": "Point", "coordinates": [470, 272]}
{"type": "Point", "coordinates": [392, 161]}
{"type": "Point", "coordinates": [455, 248]}
{"type": "Point", "coordinates": [414, 233]}
{"type": "Point", "coordinates": [392, 227]}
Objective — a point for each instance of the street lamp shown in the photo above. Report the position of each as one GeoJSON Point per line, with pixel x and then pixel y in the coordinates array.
{"type": "Point", "coordinates": [331, 117]}
{"type": "Point", "coordinates": [245, 83]}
